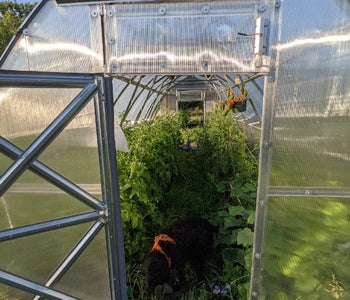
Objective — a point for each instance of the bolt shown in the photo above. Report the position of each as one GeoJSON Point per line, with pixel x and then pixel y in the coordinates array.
{"type": "Point", "coordinates": [266, 144]}
{"type": "Point", "coordinates": [111, 40]}
{"type": "Point", "coordinates": [308, 192]}
{"type": "Point", "coordinates": [26, 32]}
{"type": "Point", "coordinates": [205, 65]}
{"type": "Point", "coordinates": [162, 10]}
{"type": "Point", "coordinates": [277, 3]}
{"type": "Point", "coordinates": [110, 13]}
{"type": "Point", "coordinates": [258, 255]}
{"type": "Point", "coordinates": [94, 13]}
{"type": "Point", "coordinates": [263, 202]}
{"type": "Point", "coordinates": [163, 65]}
{"type": "Point", "coordinates": [113, 67]}
{"type": "Point", "coordinates": [261, 7]}
{"type": "Point", "coordinates": [205, 9]}
{"type": "Point", "coordinates": [271, 78]}
{"type": "Point", "coordinates": [255, 294]}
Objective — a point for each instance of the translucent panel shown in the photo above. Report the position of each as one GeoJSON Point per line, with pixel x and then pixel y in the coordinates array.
{"type": "Point", "coordinates": [183, 38]}
{"type": "Point", "coordinates": [7, 292]}
{"type": "Point", "coordinates": [4, 163]}
{"type": "Point", "coordinates": [36, 257]}
{"type": "Point", "coordinates": [88, 277]}
{"type": "Point", "coordinates": [59, 39]}
{"type": "Point", "coordinates": [26, 112]}
{"type": "Point", "coordinates": [147, 105]}
{"type": "Point", "coordinates": [31, 200]}
{"type": "Point", "coordinates": [312, 107]}
{"type": "Point", "coordinates": [307, 249]}
{"type": "Point", "coordinates": [74, 152]}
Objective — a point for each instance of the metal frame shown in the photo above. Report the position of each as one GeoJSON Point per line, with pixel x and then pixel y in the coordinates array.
{"type": "Point", "coordinates": [105, 214]}
{"type": "Point", "coordinates": [264, 167]}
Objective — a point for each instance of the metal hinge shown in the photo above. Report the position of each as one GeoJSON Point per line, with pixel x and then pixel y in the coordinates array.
{"type": "Point", "coordinates": [261, 29]}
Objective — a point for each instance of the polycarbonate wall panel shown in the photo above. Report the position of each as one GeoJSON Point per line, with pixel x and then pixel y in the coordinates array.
{"type": "Point", "coordinates": [312, 105]}
{"type": "Point", "coordinates": [183, 37]}
{"type": "Point", "coordinates": [88, 277]}
{"type": "Point", "coordinates": [26, 112]}
{"type": "Point", "coordinates": [59, 39]}
{"type": "Point", "coordinates": [307, 249]}
{"type": "Point", "coordinates": [32, 200]}
{"type": "Point", "coordinates": [36, 257]}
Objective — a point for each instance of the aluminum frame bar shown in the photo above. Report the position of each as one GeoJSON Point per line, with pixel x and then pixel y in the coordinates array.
{"type": "Point", "coordinates": [32, 287]}
{"type": "Point", "coordinates": [72, 256]}
{"type": "Point", "coordinates": [308, 192]}
{"type": "Point", "coordinates": [139, 84]}
{"type": "Point", "coordinates": [27, 230]}
{"type": "Point", "coordinates": [51, 176]}
{"type": "Point", "coordinates": [21, 79]}
{"type": "Point", "coordinates": [265, 156]}
{"type": "Point", "coordinates": [46, 137]}
{"type": "Point", "coordinates": [114, 229]}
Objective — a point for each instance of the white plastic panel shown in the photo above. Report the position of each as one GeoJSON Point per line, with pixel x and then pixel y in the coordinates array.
{"type": "Point", "coordinates": [180, 38]}
{"type": "Point", "coordinates": [59, 39]}
{"type": "Point", "coordinates": [26, 112]}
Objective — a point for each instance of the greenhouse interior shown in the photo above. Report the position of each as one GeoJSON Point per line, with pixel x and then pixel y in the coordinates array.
{"type": "Point", "coordinates": [118, 117]}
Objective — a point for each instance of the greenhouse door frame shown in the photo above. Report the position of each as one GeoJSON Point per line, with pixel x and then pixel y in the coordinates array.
{"type": "Point", "coordinates": [106, 214]}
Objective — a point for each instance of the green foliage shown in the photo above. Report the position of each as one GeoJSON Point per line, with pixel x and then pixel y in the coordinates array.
{"type": "Point", "coordinates": [11, 16]}
{"type": "Point", "coordinates": [160, 182]}
{"type": "Point", "coordinates": [316, 244]}
{"type": "Point", "coordinates": [234, 242]}
{"type": "Point", "coordinates": [145, 174]}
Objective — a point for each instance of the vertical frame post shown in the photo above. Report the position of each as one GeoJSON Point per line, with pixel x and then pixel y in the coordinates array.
{"type": "Point", "coordinates": [110, 184]}
{"type": "Point", "coordinates": [266, 149]}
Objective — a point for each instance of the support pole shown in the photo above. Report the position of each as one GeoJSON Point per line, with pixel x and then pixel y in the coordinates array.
{"type": "Point", "coordinates": [114, 230]}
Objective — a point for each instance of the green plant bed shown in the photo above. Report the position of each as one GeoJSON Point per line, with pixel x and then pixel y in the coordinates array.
{"type": "Point", "coordinates": [161, 182]}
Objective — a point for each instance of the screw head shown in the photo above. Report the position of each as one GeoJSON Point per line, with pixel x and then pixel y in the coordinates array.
{"type": "Point", "coordinates": [308, 192]}
{"type": "Point", "coordinates": [261, 7]}
{"type": "Point", "coordinates": [263, 202]}
{"type": "Point", "coordinates": [111, 40]}
{"type": "Point", "coordinates": [26, 32]}
{"type": "Point", "coordinates": [110, 13]}
{"type": "Point", "coordinates": [114, 67]}
{"type": "Point", "coordinates": [255, 294]}
{"type": "Point", "coordinates": [94, 13]}
{"type": "Point", "coordinates": [205, 9]}
{"type": "Point", "coordinates": [266, 144]}
{"type": "Point", "coordinates": [271, 78]}
{"type": "Point", "coordinates": [162, 10]}
{"type": "Point", "coordinates": [258, 255]}
{"type": "Point", "coordinates": [163, 65]}
{"type": "Point", "coordinates": [205, 65]}
{"type": "Point", "coordinates": [277, 3]}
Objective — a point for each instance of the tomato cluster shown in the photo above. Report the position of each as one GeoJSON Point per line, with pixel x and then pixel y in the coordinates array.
{"type": "Point", "coordinates": [233, 100]}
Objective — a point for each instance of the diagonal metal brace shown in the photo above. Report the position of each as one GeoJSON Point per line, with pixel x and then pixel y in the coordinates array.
{"type": "Point", "coordinates": [18, 232]}
{"type": "Point", "coordinates": [73, 256]}
{"type": "Point", "coordinates": [32, 287]}
{"type": "Point", "coordinates": [46, 137]}
{"type": "Point", "coordinates": [51, 176]}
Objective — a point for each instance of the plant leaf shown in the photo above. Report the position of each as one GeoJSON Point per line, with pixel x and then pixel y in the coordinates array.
{"type": "Point", "coordinates": [245, 237]}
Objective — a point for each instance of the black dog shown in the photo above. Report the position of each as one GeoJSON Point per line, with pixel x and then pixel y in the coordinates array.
{"type": "Point", "coordinates": [188, 239]}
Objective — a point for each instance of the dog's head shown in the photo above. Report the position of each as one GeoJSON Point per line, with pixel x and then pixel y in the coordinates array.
{"type": "Point", "coordinates": [156, 270]}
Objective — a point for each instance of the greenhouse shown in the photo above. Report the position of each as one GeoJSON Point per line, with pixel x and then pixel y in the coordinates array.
{"type": "Point", "coordinates": [82, 83]}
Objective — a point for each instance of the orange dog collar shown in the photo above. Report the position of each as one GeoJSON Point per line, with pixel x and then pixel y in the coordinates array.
{"type": "Point", "coordinates": [156, 247]}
